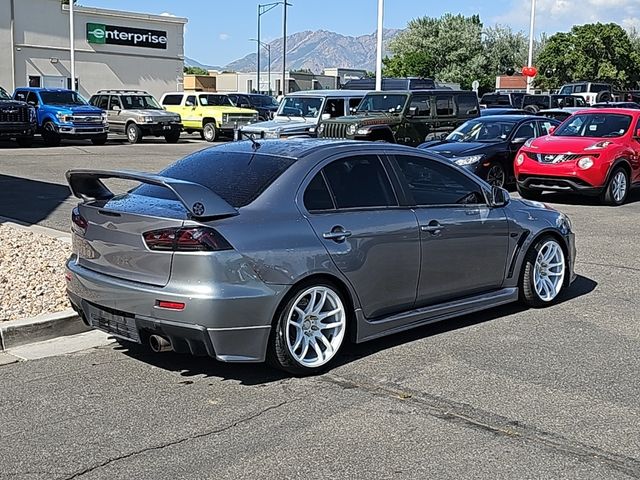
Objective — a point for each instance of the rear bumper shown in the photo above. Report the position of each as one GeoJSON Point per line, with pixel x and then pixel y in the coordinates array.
{"type": "Point", "coordinates": [231, 324]}
{"type": "Point", "coordinates": [160, 129]}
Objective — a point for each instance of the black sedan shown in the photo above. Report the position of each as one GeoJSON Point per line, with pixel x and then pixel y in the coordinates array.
{"type": "Point", "coordinates": [487, 146]}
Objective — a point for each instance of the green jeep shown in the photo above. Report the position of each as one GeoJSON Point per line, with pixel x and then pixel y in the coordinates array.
{"type": "Point", "coordinates": [406, 117]}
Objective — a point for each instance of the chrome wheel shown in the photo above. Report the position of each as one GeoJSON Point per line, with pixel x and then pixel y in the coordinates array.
{"type": "Point", "coordinates": [209, 132]}
{"type": "Point", "coordinates": [496, 175]}
{"type": "Point", "coordinates": [619, 186]}
{"type": "Point", "coordinates": [549, 270]}
{"type": "Point", "coordinates": [315, 326]}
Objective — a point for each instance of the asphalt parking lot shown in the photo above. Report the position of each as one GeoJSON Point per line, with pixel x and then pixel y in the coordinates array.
{"type": "Point", "coordinates": [508, 393]}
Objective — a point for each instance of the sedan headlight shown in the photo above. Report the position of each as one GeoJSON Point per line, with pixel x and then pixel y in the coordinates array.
{"type": "Point", "coordinates": [64, 118]}
{"type": "Point", "coordinates": [351, 129]}
{"type": "Point", "coordinates": [470, 160]}
{"type": "Point", "coordinates": [585, 163]}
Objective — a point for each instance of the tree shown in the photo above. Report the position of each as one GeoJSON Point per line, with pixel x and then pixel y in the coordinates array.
{"type": "Point", "coordinates": [596, 52]}
{"type": "Point", "coordinates": [504, 49]}
{"type": "Point", "coordinates": [195, 71]}
{"type": "Point", "coordinates": [410, 64]}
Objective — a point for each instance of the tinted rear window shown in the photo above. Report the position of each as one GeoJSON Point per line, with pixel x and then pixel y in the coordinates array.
{"type": "Point", "coordinates": [238, 178]}
{"type": "Point", "coordinates": [172, 100]}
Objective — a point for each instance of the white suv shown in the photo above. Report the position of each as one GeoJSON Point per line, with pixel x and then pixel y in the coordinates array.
{"type": "Point", "coordinates": [591, 92]}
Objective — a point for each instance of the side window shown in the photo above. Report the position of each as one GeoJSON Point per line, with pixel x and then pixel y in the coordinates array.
{"type": "Point", "coordinates": [544, 127]}
{"type": "Point", "coordinates": [567, 90]}
{"type": "Point", "coordinates": [32, 98]}
{"type": "Point", "coordinates": [444, 105]}
{"type": "Point", "coordinates": [334, 107]}
{"type": "Point", "coordinates": [103, 102]}
{"type": "Point", "coordinates": [467, 104]}
{"type": "Point", "coordinates": [432, 183]}
{"type": "Point", "coordinates": [115, 101]}
{"type": "Point", "coordinates": [525, 132]}
{"type": "Point", "coordinates": [421, 104]}
{"type": "Point", "coordinates": [353, 104]}
{"type": "Point", "coordinates": [317, 197]}
{"type": "Point", "coordinates": [360, 182]}
{"type": "Point", "coordinates": [172, 100]}
{"type": "Point", "coordinates": [191, 101]}
{"type": "Point", "coordinates": [20, 95]}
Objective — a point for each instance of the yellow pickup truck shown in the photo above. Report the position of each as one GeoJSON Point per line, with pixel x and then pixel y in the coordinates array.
{"type": "Point", "coordinates": [211, 114]}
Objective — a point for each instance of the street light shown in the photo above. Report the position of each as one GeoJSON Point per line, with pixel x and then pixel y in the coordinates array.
{"type": "Point", "coordinates": [268, 48]}
{"type": "Point", "coordinates": [72, 53]}
{"type": "Point", "coordinates": [262, 9]}
{"type": "Point", "coordinates": [531, 29]}
{"type": "Point", "coordinates": [379, 45]}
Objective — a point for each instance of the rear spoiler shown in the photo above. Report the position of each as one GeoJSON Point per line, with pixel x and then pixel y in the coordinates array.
{"type": "Point", "coordinates": [199, 200]}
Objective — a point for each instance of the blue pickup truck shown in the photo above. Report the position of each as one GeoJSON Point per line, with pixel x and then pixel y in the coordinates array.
{"type": "Point", "coordinates": [64, 114]}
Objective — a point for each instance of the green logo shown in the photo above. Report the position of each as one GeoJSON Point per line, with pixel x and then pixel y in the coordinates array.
{"type": "Point", "coordinates": [96, 33]}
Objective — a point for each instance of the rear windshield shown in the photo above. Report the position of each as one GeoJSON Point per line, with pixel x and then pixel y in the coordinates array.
{"type": "Point", "coordinates": [238, 178]}
{"type": "Point", "coordinates": [493, 99]}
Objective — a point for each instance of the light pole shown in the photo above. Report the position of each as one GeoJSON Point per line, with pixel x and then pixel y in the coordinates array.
{"type": "Point", "coordinates": [72, 46]}
{"type": "Point", "coordinates": [284, 46]}
{"type": "Point", "coordinates": [262, 9]}
{"type": "Point", "coordinates": [379, 45]}
{"type": "Point", "coordinates": [531, 31]}
{"type": "Point", "coordinates": [268, 48]}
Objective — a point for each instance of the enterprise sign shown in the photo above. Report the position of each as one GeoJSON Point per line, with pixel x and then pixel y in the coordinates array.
{"type": "Point", "coordinates": [133, 37]}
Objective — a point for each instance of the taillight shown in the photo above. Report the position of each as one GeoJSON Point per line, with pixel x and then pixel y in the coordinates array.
{"type": "Point", "coordinates": [78, 222]}
{"type": "Point", "coordinates": [194, 239]}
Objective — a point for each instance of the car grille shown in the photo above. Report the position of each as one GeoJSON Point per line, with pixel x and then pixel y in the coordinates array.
{"type": "Point", "coordinates": [553, 157]}
{"type": "Point", "coordinates": [335, 130]}
{"type": "Point", "coordinates": [14, 115]}
{"type": "Point", "coordinates": [87, 119]}
{"type": "Point", "coordinates": [239, 118]}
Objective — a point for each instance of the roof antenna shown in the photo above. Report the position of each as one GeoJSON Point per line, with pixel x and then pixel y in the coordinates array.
{"type": "Point", "coordinates": [239, 134]}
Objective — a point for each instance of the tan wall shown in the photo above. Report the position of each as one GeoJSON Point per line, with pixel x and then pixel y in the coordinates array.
{"type": "Point", "coordinates": [201, 83]}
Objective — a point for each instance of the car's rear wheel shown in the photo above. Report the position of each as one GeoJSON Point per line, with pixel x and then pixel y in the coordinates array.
{"type": "Point", "coordinates": [209, 132]}
{"type": "Point", "coordinates": [617, 189]}
{"type": "Point", "coordinates": [310, 329]}
{"type": "Point", "coordinates": [529, 194]}
{"type": "Point", "coordinates": [496, 175]}
{"type": "Point", "coordinates": [172, 137]}
{"type": "Point", "coordinates": [544, 272]}
{"type": "Point", "coordinates": [50, 135]}
{"type": "Point", "coordinates": [134, 134]}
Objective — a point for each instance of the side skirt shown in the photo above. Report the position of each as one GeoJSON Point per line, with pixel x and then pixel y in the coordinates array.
{"type": "Point", "coordinates": [369, 330]}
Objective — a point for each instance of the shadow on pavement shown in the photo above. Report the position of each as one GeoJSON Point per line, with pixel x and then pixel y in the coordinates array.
{"type": "Point", "coordinates": [568, 199]}
{"type": "Point", "coordinates": [256, 374]}
{"type": "Point", "coordinates": [30, 201]}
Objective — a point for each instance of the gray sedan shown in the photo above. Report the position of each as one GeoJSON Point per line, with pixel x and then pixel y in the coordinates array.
{"type": "Point", "coordinates": [285, 250]}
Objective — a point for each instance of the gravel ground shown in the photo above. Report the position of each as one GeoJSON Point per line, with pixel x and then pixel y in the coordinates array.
{"type": "Point", "coordinates": [31, 274]}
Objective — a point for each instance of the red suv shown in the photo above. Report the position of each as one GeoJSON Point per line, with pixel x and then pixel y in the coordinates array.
{"type": "Point", "coordinates": [594, 152]}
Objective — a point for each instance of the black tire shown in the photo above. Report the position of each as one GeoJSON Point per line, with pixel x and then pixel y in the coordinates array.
{"type": "Point", "coordinates": [133, 132]}
{"type": "Point", "coordinates": [209, 132]}
{"type": "Point", "coordinates": [604, 96]}
{"type": "Point", "coordinates": [100, 139]}
{"type": "Point", "coordinates": [50, 135]}
{"type": "Point", "coordinates": [496, 175]}
{"type": "Point", "coordinates": [173, 136]}
{"type": "Point", "coordinates": [278, 353]}
{"type": "Point", "coordinates": [532, 108]}
{"type": "Point", "coordinates": [24, 142]}
{"type": "Point", "coordinates": [609, 196]}
{"type": "Point", "coordinates": [528, 294]}
{"type": "Point", "coordinates": [529, 194]}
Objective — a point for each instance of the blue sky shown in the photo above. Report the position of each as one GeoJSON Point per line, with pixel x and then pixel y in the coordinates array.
{"type": "Point", "coordinates": [218, 30]}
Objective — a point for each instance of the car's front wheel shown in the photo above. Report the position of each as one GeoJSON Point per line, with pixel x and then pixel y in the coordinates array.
{"type": "Point", "coordinates": [309, 330]}
{"type": "Point", "coordinates": [496, 176]}
{"type": "Point", "coordinates": [134, 134]}
{"type": "Point", "coordinates": [209, 132]}
{"type": "Point", "coordinates": [543, 273]}
{"type": "Point", "coordinates": [50, 135]}
{"type": "Point", "coordinates": [617, 189]}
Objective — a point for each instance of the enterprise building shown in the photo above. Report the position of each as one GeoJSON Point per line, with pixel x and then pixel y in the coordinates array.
{"type": "Point", "coordinates": [113, 49]}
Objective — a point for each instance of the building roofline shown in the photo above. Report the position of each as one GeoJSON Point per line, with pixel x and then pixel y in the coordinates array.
{"type": "Point", "coordinates": [128, 15]}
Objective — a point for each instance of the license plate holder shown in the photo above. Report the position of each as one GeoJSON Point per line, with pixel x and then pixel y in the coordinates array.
{"type": "Point", "coordinates": [117, 325]}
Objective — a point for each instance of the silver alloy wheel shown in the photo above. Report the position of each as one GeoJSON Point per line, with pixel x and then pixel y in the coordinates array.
{"type": "Point", "coordinates": [619, 186]}
{"type": "Point", "coordinates": [209, 132]}
{"type": "Point", "coordinates": [132, 134]}
{"type": "Point", "coordinates": [495, 175]}
{"type": "Point", "coordinates": [549, 270]}
{"type": "Point", "coordinates": [315, 326]}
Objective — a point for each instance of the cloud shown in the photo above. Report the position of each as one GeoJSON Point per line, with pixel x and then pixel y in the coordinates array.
{"type": "Point", "coordinates": [167, 14]}
{"type": "Point", "coordinates": [224, 36]}
{"type": "Point", "coordinates": [561, 15]}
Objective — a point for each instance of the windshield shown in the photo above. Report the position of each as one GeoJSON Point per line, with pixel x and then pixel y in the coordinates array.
{"type": "Point", "coordinates": [594, 125]}
{"type": "Point", "coordinates": [4, 95]}
{"type": "Point", "coordinates": [62, 98]}
{"type": "Point", "coordinates": [542, 101]}
{"type": "Point", "coordinates": [379, 102]}
{"type": "Point", "coordinates": [263, 101]}
{"type": "Point", "coordinates": [306, 107]}
{"type": "Point", "coordinates": [146, 102]}
{"type": "Point", "coordinates": [481, 130]}
{"type": "Point", "coordinates": [215, 101]}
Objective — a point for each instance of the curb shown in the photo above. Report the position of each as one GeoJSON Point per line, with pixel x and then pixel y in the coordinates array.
{"type": "Point", "coordinates": [15, 333]}
{"type": "Point", "coordinates": [46, 231]}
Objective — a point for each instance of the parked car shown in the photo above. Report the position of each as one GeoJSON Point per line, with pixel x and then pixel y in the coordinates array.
{"type": "Point", "coordinates": [300, 112]}
{"type": "Point", "coordinates": [409, 83]}
{"type": "Point", "coordinates": [211, 114]}
{"type": "Point", "coordinates": [17, 120]}
{"type": "Point", "coordinates": [487, 112]}
{"type": "Point", "coordinates": [404, 117]}
{"type": "Point", "coordinates": [591, 92]}
{"type": "Point", "coordinates": [265, 105]}
{"type": "Point", "coordinates": [633, 105]}
{"type": "Point", "coordinates": [535, 103]}
{"type": "Point", "coordinates": [487, 146]}
{"type": "Point", "coordinates": [64, 113]}
{"type": "Point", "coordinates": [283, 251]}
{"type": "Point", "coordinates": [594, 152]}
{"type": "Point", "coordinates": [500, 99]}
{"type": "Point", "coordinates": [560, 114]}
{"type": "Point", "coordinates": [136, 114]}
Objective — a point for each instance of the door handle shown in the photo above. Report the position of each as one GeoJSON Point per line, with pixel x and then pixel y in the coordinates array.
{"type": "Point", "coordinates": [434, 227]}
{"type": "Point", "coordinates": [337, 234]}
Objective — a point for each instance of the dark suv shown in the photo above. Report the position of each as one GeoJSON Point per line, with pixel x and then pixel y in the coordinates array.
{"type": "Point", "coordinates": [502, 99]}
{"type": "Point", "coordinates": [404, 117]}
{"type": "Point", "coordinates": [265, 105]}
{"type": "Point", "coordinates": [17, 119]}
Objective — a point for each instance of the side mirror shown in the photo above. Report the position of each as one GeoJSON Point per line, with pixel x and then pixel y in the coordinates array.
{"type": "Point", "coordinates": [519, 140]}
{"type": "Point", "coordinates": [552, 129]}
{"type": "Point", "coordinates": [189, 104]}
{"type": "Point", "coordinates": [325, 116]}
{"type": "Point", "coordinates": [412, 112]}
{"type": "Point", "coordinates": [116, 108]}
{"type": "Point", "coordinates": [499, 197]}
{"type": "Point", "coordinates": [638, 134]}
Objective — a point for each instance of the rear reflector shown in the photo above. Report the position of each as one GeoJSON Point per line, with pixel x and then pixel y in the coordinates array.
{"type": "Point", "coordinates": [195, 239]}
{"type": "Point", "coordinates": [169, 305]}
{"type": "Point", "coordinates": [78, 222]}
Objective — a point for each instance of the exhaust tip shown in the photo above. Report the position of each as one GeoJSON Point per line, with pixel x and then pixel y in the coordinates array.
{"type": "Point", "coordinates": [160, 344]}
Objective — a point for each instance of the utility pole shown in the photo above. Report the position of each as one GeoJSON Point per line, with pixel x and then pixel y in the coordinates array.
{"type": "Point", "coordinates": [262, 9]}
{"type": "Point", "coordinates": [531, 33]}
{"type": "Point", "coordinates": [379, 45]}
{"type": "Point", "coordinates": [284, 47]}
{"type": "Point", "coordinates": [72, 46]}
